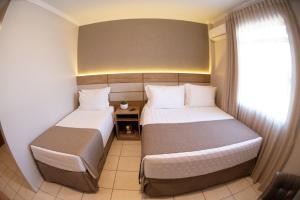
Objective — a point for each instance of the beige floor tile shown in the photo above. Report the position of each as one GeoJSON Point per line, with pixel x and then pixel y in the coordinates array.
{"type": "Point", "coordinates": [15, 183]}
{"type": "Point", "coordinates": [131, 150]}
{"type": "Point", "coordinates": [238, 185]}
{"type": "Point", "coordinates": [26, 193]}
{"type": "Point", "coordinates": [9, 192]}
{"type": "Point", "coordinates": [158, 198]}
{"type": "Point", "coordinates": [115, 150]}
{"type": "Point", "coordinates": [7, 175]}
{"type": "Point", "coordinates": [107, 179]}
{"type": "Point", "coordinates": [248, 194]}
{"type": "Point", "coordinates": [126, 195]}
{"type": "Point", "coordinates": [102, 194]}
{"type": "Point", "coordinates": [117, 142]}
{"type": "Point", "coordinates": [216, 193]}
{"type": "Point", "coordinates": [129, 164]}
{"type": "Point", "coordinates": [136, 142]}
{"type": "Point", "coordinates": [11, 164]}
{"type": "Point", "coordinates": [69, 194]}
{"type": "Point", "coordinates": [127, 181]}
{"type": "Point", "coordinates": [18, 197]}
{"type": "Point", "coordinates": [2, 167]}
{"type": "Point", "coordinates": [19, 173]}
{"type": "Point", "coordinates": [50, 188]}
{"type": "Point", "coordinates": [229, 198]}
{"type": "Point", "coordinates": [250, 180]}
{"type": "Point", "coordinates": [191, 196]}
{"type": "Point", "coordinates": [3, 183]}
{"type": "Point", "coordinates": [256, 188]}
{"type": "Point", "coordinates": [111, 163]}
{"type": "Point", "coordinates": [43, 196]}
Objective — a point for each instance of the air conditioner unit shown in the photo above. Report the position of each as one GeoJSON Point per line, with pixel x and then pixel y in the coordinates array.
{"type": "Point", "coordinates": [3, 7]}
{"type": "Point", "coordinates": [217, 33]}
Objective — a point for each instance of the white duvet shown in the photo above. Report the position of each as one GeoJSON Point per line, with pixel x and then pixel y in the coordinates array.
{"type": "Point", "coordinates": [101, 120]}
{"type": "Point", "coordinates": [196, 163]}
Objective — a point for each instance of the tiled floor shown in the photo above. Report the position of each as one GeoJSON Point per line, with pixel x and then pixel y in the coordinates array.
{"type": "Point", "coordinates": [118, 181]}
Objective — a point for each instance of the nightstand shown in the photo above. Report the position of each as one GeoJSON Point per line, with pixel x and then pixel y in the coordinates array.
{"type": "Point", "coordinates": [127, 123]}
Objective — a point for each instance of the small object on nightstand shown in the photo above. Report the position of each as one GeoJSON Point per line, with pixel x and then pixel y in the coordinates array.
{"type": "Point", "coordinates": [127, 123]}
{"type": "Point", "coordinates": [132, 109]}
{"type": "Point", "coordinates": [128, 129]}
{"type": "Point", "coordinates": [124, 105]}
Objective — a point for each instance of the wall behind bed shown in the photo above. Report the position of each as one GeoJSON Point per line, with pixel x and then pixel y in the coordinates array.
{"type": "Point", "coordinates": [129, 54]}
{"type": "Point", "coordinates": [37, 77]}
{"type": "Point", "coordinates": [143, 45]}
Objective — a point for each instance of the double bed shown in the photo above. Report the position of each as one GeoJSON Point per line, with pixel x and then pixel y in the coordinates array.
{"type": "Point", "coordinates": [73, 152]}
{"type": "Point", "coordinates": [192, 148]}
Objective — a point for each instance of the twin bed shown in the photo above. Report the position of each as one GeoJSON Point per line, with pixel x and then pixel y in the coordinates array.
{"type": "Point", "coordinates": [73, 152]}
{"type": "Point", "coordinates": [184, 148]}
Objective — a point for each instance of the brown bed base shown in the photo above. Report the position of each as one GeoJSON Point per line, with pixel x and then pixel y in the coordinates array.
{"type": "Point", "coordinates": [81, 181]}
{"type": "Point", "coordinates": [172, 187]}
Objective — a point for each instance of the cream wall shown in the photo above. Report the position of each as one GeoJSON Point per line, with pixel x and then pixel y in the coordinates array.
{"type": "Point", "coordinates": [218, 68]}
{"type": "Point", "coordinates": [37, 82]}
{"type": "Point", "coordinates": [218, 56]}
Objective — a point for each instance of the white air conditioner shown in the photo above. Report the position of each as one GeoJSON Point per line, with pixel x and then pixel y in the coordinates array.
{"type": "Point", "coordinates": [217, 33]}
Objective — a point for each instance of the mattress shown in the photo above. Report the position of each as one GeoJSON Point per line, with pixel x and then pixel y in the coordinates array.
{"type": "Point", "coordinates": [199, 162]}
{"type": "Point", "coordinates": [101, 120]}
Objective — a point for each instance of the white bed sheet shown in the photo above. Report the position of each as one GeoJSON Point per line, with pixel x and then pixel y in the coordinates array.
{"type": "Point", "coordinates": [196, 163]}
{"type": "Point", "coordinates": [182, 115]}
{"type": "Point", "coordinates": [101, 120]}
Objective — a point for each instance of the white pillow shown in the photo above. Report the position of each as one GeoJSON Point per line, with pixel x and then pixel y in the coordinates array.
{"type": "Point", "coordinates": [165, 96]}
{"type": "Point", "coordinates": [199, 96]}
{"type": "Point", "coordinates": [96, 99]}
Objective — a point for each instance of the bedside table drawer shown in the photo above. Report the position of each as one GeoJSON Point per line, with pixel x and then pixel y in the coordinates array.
{"type": "Point", "coordinates": [127, 117]}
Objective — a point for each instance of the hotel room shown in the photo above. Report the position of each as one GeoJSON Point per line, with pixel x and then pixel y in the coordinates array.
{"type": "Point", "coordinates": [133, 100]}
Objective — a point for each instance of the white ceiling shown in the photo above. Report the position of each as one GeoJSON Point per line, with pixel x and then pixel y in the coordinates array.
{"type": "Point", "coordinates": [92, 11]}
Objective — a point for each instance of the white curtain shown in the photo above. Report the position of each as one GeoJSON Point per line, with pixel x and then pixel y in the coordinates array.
{"type": "Point", "coordinates": [265, 69]}
{"type": "Point", "coordinates": [264, 77]}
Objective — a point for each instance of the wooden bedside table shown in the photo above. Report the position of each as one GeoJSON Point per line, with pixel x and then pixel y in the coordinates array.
{"type": "Point", "coordinates": [127, 123]}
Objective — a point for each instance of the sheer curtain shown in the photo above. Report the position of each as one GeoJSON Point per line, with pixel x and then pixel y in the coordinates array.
{"type": "Point", "coordinates": [263, 77]}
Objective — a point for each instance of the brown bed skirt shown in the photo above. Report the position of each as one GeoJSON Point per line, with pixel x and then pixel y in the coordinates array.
{"type": "Point", "coordinates": [81, 181]}
{"type": "Point", "coordinates": [172, 187]}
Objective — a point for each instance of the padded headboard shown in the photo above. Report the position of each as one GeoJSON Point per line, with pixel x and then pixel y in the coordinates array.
{"type": "Point", "coordinates": [131, 86]}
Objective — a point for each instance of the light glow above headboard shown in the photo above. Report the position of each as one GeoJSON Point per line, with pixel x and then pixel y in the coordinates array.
{"type": "Point", "coordinates": [143, 72]}
{"type": "Point", "coordinates": [143, 46]}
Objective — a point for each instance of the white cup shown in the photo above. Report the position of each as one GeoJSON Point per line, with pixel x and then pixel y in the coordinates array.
{"type": "Point", "coordinates": [124, 106]}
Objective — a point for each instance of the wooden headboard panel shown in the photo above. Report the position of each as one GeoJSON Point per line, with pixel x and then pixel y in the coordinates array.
{"type": "Point", "coordinates": [131, 86]}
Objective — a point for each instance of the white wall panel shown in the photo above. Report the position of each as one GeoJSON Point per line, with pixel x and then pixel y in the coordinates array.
{"type": "Point", "coordinates": [37, 78]}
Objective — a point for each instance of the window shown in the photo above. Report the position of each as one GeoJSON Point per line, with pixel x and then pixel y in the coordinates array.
{"type": "Point", "coordinates": [264, 68]}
